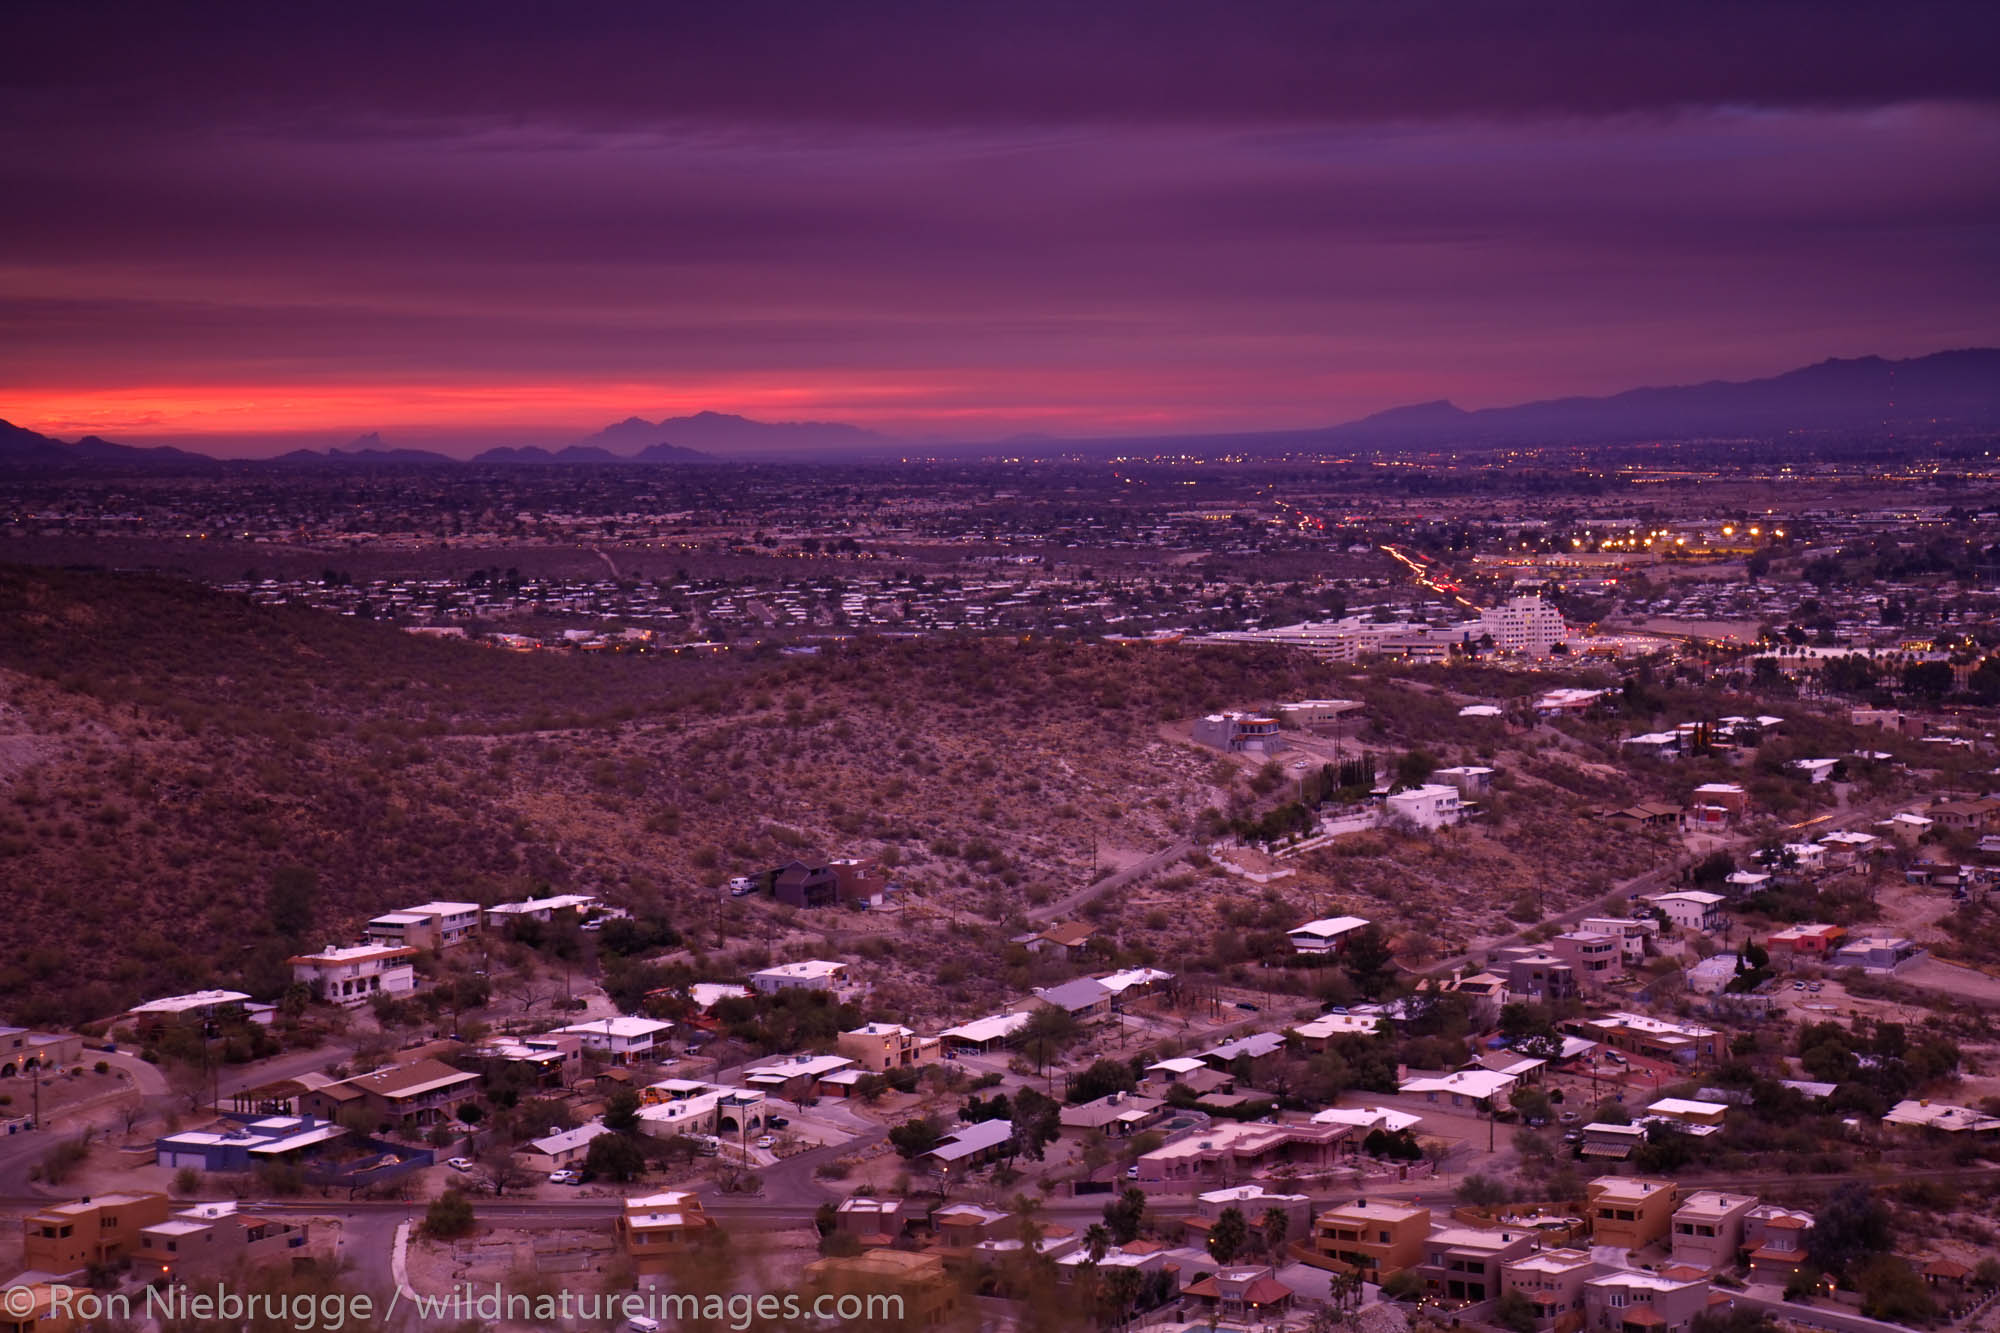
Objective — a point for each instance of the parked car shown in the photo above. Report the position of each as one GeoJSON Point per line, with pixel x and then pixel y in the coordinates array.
{"type": "Point", "coordinates": [460, 1163]}
{"type": "Point", "coordinates": [565, 1178]}
{"type": "Point", "coordinates": [1132, 1171]}
{"type": "Point", "coordinates": [766, 1141]}
{"type": "Point", "coordinates": [1798, 985]}
{"type": "Point", "coordinates": [1570, 1117]}
{"type": "Point", "coordinates": [1250, 1007]}
{"type": "Point", "coordinates": [776, 1121]}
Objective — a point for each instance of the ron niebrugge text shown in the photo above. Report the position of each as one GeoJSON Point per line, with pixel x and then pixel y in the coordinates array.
{"type": "Point", "coordinates": [329, 1312]}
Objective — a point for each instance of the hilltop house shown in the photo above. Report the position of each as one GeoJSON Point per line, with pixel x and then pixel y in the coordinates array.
{"type": "Point", "coordinates": [812, 974]}
{"type": "Point", "coordinates": [1324, 936]}
{"type": "Point", "coordinates": [431, 927]}
{"type": "Point", "coordinates": [1690, 909]}
{"type": "Point", "coordinates": [355, 975]}
{"type": "Point", "coordinates": [621, 1040]}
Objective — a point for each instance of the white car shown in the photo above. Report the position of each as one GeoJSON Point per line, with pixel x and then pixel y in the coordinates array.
{"type": "Point", "coordinates": [565, 1178]}
{"type": "Point", "coordinates": [460, 1164]}
{"type": "Point", "coordinates": [765, 1141]}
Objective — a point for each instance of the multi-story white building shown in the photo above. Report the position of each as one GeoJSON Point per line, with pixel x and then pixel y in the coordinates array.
{"type": "Point", "coordinates": [435, 925]}
{"type": "Point", "coordinates": [1524, 625]}
{"type": "Point", "coordinates": [1430, 806]}
{"type": "Point", "coordinates": [623, 1039]}
{"type": "Point", "coordinates": [356, 974]}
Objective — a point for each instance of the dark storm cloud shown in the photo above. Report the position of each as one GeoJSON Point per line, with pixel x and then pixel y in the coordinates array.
{"type": "Point", "coordinates": [980, 60]}
{"type": "Point", "coordinates": [949, 218]}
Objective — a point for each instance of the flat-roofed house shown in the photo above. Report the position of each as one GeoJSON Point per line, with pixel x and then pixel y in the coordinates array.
{"type": "Point", "coordinates": [1708, 1229]}
{"type": "Point", "coordinates": [1654, 1038]}
{"type": "Point", "coordinates": [1115, 1115]}
{"type": "Point", "coordinates": [622, 1039]}
{"type": "Point", "coordinates": [655, 1228]}
{"type": "Point", "coordinates": [431, 926]}
{"type": "Point", "coordinates": [1630, 1212]}
{"type": "Point", "coordinates": [1374, 1240]}
{"type": "Point", "coordinates": [354, 975]}
{"type": "Point", "coordinates": [1922, 1114]}
{"type": "Point", "coordinates": [1595, 960]}
{"type": "Point", "coordinates": [811, 974]}
{"type": "Point", "coordinates": [1462, 1264]}
{"type": "Point", "coordinates": [1483, 1089]}
{"type": "Point", "coordinates": [1324, 936]}
{"type": "Point", "coordinates": [1624, 1301]}
{"type": "Point", "coordinates": [63, 1239]}
{"type": "Point", "coordinates": [872, 1220]}
{"type": "Point", "coordinates": [1806, 940]}
{"type": "Point", "coordinates": [1227, 1152]}
{"type": "Point", "coordinates": [210, 1239]}
{"type": "Point", "coordinates": [880, 1047]}
{"type": "Point", "coordinates": [1553, 1283]}
{"type": "Point", "coordinates": [797, 1079]}
{"type": "Point", "coordinates": [1690, 909]}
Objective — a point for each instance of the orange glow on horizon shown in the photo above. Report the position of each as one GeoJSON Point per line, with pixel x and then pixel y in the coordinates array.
{"type": "Point", "coordinates": [995, 400]}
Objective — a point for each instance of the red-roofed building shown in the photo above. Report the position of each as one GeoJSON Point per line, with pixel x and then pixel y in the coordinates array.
{"type": "Point", "coordinates": [1244, 1293]}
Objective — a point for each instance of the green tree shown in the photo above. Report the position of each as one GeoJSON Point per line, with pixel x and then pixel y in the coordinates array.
{"type": "Point", "coordinates": [1227, 1236]}
{"type": "Point", "coordinates": [913, 1138]}
{"type": "Point", "coordinates": [621, 1111]}
{"type": "Point", "coordinates": [1037, 1123]}
{"type": "Point", "coordinates": [1048, 1030]}
{"type": "Point", "coordinates": [1126, 1216]}
{"type": "Point", "coordinates": [1275, 1225]}
{"type": "Point", "coordinates": [1893, 1291]}
{"type": "Point", "coordinates": [1097, 1241]}
{"type": "Point", "coordinates": [616, 1158]}
{"type": "Point", "coordinates": [1405, 1285]}
{"type": "Point", "coordinates": [1852, 1224]}
{"type": "Point", "coordinates": [1514, 1311]}
{"type": "Point", "coordinates": [449, 1217]}
{"type": "Point", "coordinates": [1927, 680]}
{"type": "Point", "coordinates": [1100, 1080]}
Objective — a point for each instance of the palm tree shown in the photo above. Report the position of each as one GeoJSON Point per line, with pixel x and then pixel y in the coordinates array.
{"type": "Point", "coordinates": [1275, 1224]}
{"type": "Point", "coordinates": [1096, 1241]}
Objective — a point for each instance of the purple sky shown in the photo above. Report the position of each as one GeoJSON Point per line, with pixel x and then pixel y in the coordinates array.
{"type": "Point", "coordinates": [512, 224]}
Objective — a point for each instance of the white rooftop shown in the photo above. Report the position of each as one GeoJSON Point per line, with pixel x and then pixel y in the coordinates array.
{"type": "Point", "coordinates": [624, 1025]}
{"type": "Point", "coordinates": [810, 970]}
{"type": "Point", "coordinates": [1328, 927]}
{"type": "Point", "coordinates": [201, 999]}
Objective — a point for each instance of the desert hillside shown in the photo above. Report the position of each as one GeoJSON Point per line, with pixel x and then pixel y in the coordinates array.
{"type": "Point", "coordinates": [167, 751]}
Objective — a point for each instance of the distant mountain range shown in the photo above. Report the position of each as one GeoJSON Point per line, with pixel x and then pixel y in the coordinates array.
{"type": "Point", "coordinates": [1958, 389]}
{"type": "Point", "coordinates": [1961, 387]}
